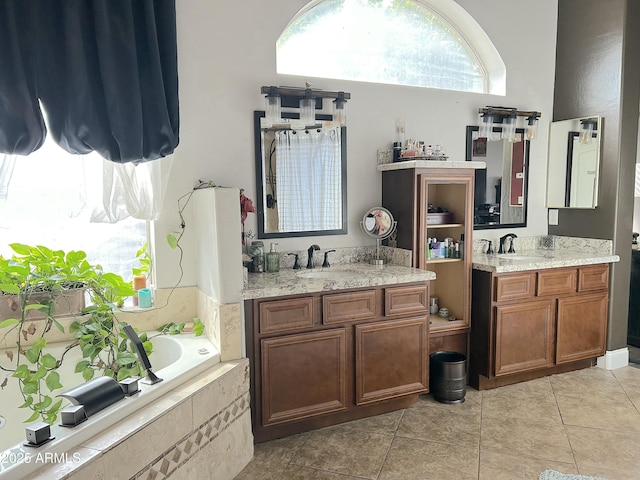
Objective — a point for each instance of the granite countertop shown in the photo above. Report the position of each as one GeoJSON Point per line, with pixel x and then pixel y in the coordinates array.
{"type": "Point", "coordinates": [538, 259]}
{"type": "Point", "coordinates": [353, 275]}
{"type": "Point", "coordinates": [429, 164]}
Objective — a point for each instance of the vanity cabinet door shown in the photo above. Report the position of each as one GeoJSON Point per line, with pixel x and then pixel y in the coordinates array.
{"type": "Point", "coordinates": [524, 337]}
{"type": "Point", "coordinates": [391, 359]}
{"type": "Point", "coordinates": [582, 327]}
{"type": "Point", "coordinates": [303, 375]}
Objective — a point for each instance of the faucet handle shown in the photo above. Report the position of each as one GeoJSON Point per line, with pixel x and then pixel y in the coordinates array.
{"type": "Point", "coordinates": [325, 264]}
{"type": "Point", "coordinates": [296, 262]}
{"type": "Point", "coordinates": [490, 250]}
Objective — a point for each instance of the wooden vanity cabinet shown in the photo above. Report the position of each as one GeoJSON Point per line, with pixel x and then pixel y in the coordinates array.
{"type": "Point", "coordinates": [325, 358]}
{"type": "Point", "coordinates": [408, 193]}
{"type": "Point", "coordinates": [535, 323]}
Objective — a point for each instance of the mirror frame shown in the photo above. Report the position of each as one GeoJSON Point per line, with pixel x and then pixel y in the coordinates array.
{"type": "Point", "coordinates": [525, 185]}
{"type": "Point", "coordinates": [392, 223]}
{"type": "Point", "coordinates": [567, 162]}
{"type": "Point", "coordinates": [259, 164]}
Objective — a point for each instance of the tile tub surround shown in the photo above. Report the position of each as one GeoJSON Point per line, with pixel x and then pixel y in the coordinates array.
{"type": "Point", "coordinates": [200, 430]}
{"type": "Point", "coordinates": [288, 282]}
{"type": "Point", "coordinates": [544, 252]}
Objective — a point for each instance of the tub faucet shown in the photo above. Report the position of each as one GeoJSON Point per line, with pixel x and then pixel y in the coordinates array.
{"type": "Point", "coordinates": [509, 236]}
{"type": "Point", "coordinates": [310, 252]}
{"type": "Point", "coordinates": [142, 355]}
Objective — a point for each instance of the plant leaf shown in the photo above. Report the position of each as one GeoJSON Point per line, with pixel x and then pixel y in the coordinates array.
{"type": "Point", "coordinates": [8, 322]}
{"type": "Point", "coordinates": [172, 241]}
{"type": "Point", "coordinates": [9, 288]}
{"type": "Point", "coordinates": [47, 400]}
{"type": "Point", "coordinates": [88, 373]}
{"type": "Point", "coordinates": [48, 361]}
{"type": "Point", "coordinates": [29, 387]}
{"type": "Point", "coordinates": [28, 401]}
{"type": "Point", "coordinates": [53, 381]}
{"type": "Point", "coordinates": [81, 365]}
{"type": "Point", "coordinates": [58, 325]}
{"type": "Point", "coordinates": [123, 373]}
{"type": "Point", "coordinates": [32, 418]}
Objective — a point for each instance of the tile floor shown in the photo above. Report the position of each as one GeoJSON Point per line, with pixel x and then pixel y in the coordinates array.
{"type": "Point", "coordinates": [585, 422]}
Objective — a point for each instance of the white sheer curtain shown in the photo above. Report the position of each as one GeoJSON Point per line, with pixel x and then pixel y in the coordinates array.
{"type": "Point", "coordinates": [308, 180]}
{"type": "Point", "coordinates": [54, 185]}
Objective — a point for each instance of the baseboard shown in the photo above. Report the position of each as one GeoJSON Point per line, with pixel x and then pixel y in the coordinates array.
{"type": "Point", "coordinates": [613, 359]}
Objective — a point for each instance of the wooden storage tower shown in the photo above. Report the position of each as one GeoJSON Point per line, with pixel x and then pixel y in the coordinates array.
{"type": "Point", "coordinates": [407, 192]}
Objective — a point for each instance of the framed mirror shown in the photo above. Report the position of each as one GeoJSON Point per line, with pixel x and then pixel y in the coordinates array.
{"type": "Point", "coordinates": [501, 190]}
{"type": "Point", "coordinates": [573, 167]}
{"type": "Point", "coordinates": [301, 177]}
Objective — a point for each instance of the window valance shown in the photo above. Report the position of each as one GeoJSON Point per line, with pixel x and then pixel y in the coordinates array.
{"type": "Point", "coordinates": [102, 72]}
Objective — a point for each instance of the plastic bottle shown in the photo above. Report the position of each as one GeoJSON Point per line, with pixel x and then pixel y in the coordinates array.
{"type": "Point", "coordinates": [272, 260]}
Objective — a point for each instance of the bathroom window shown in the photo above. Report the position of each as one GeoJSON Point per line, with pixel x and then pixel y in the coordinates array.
{"type": "Point", "coordinates": [425, 43]}
{"type": "Point", "coordinates": [48, 198]}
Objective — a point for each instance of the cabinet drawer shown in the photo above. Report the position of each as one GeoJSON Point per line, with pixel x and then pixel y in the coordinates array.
{"type": "Point", "coordinates": [515, 287]}
{"type": "Point", "coordinates": [556, 282]}
{"type": "Point", "coordinates": [406, 300]}
{"type": "Point", "coordinates": [284, 315]}
{"type": "Point", "coordinates": [593, 278]}
{"type": "Point", "coordinates": [345, 307]}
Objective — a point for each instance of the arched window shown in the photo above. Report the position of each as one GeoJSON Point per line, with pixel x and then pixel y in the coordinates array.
{"type": "Point", "coordinates": [426, 43]}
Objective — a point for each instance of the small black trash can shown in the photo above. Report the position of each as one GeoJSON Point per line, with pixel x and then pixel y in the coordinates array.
{"type": "Point", "coordinates": [448, 376]}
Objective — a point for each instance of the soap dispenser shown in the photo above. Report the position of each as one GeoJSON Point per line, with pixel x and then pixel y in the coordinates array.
{"type": "Point", "coordinates": [272, 261]}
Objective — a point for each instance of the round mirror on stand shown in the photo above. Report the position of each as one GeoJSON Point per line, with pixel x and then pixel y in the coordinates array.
{"type": "Point", "coordinates": [379, 224]}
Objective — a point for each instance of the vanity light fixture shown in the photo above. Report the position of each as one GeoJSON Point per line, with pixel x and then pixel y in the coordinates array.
{"type": "Point", "coordinates": [340, 110]}
{"type": "Point", "coordinates": [273, 110]}
{"type": "Point", "coordinates": [486, 124]}
{"type": "Point", "coordinates": [308, 108]}
{"type": "Point", "coordinates": [509, 126]}
{"type": "Point", "coordinates": [307, 100]}
{"type": "Point", "coordinates": [532, 126]}
{"type": "Point", "coordinates": [587, 127]}
{"type": "Point", "coordinates": [506, 118]}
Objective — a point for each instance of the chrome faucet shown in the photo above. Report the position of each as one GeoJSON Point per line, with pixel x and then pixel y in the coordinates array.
{"type": "Point", "coordinates": [310, 252]}
{"type": "Point", "coordinates": [510, 236]}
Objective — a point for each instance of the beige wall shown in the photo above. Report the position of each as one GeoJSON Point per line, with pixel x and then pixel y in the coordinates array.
{"type": "Point", "coordinates": [227, 51]}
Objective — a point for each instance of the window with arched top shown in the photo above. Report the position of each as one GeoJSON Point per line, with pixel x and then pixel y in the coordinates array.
{"type": "Point", "coordinates": [425, 43]}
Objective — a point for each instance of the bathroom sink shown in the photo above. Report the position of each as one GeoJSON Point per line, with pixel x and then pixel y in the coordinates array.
{"type": "Point", "coordinates": [328, 274]}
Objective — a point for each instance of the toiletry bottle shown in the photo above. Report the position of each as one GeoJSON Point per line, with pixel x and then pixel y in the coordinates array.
{"type": "Point", "coordinates": [256, 252]}
{"type": "Point", "coordinates": [272, 260]}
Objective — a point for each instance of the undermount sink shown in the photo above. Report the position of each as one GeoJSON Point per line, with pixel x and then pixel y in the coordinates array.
{"type": "Point", "coordinates": [328, 274]}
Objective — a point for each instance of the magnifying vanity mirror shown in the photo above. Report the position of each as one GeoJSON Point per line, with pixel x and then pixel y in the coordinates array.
{"type": "Point", "coordinates": [301, 177]}
{"type": "Point", "coordinates": [574, 163]}
{"type": "Point", "coordinates": [501, 189]}
{"type": "Point", "coordinates": [378, 223]}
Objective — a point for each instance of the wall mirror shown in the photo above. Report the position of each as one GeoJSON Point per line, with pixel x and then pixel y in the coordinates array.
{"type": "Point", "coordinates": [573, 165]}
{"type": "Point", "coordinates": [501, 189]}
{"type": "Point", "coordinates": [301, 177]}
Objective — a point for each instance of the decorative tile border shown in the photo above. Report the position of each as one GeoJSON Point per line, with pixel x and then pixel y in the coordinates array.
{"type": "Point", "coordinates": [175, 457]}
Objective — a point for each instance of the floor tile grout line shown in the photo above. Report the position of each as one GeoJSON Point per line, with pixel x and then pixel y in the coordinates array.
{"type": "Point", "coordinates": [393, 437]}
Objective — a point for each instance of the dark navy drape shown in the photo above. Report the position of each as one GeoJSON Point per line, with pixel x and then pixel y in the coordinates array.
{"type": "Point", "coordinates": [104, 71]}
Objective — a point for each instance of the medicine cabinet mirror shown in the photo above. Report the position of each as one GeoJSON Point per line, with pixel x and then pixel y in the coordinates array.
{"type": "Point", "coordinates": [501, 190]}
{"type": "Point", "coordinates": [574, 163]}
{"type": "Point", "coordinates": [301, 178]}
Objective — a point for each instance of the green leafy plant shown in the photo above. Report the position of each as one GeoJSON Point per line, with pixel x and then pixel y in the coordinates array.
{"type": "Point", "coordinates": [173, 328]}
{"type": "Point", "coordinates": [39, 278]}
{"type": "Point", "coordinates": [144, 259]}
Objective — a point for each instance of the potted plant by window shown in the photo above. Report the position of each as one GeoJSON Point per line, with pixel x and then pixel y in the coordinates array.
{"type": "Point", "coordinates": [39, 279]}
